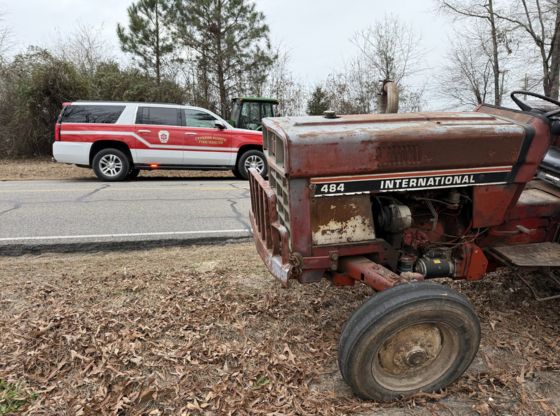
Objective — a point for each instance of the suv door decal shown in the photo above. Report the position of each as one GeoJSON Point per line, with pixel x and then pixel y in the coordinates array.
{"type": "Point", "coordinates": [163, 136]}
{"type": "Point", "coordinates": [200, 130]}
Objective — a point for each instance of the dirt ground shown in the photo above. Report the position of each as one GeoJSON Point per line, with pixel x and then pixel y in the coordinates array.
{"type": "Point", "coordinates": [30, 169]}
{"type": "Point", "coordinates": [206, 330]}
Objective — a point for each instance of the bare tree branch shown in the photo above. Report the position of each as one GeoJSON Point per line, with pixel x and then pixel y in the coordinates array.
{"type": "Point", "coordinates": [541, 24]}
{"type": "Point", "coordinates": [484, 11]}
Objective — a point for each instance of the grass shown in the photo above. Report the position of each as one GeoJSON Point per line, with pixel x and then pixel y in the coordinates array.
{"type": "Point", "coordinates": [12, 398]}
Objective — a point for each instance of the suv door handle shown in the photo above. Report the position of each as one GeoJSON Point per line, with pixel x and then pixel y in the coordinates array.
{"type": "Point", "coordinates": [144, 131]}
{"type": "Point", "coordinates": [190, 134]}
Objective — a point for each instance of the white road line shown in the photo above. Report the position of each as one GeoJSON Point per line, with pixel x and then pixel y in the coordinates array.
{"type": "Point", "coordinates": [117, 189]}
{"type": "Point", "coordinates": [165, 233]}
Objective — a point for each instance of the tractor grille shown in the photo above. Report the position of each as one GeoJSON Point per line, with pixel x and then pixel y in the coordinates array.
{"type": "Point", "coordinates": [274, 151]}
{"type": "Point", "coordinates": [263, 207]}
{"type": "Point", "coordinates": [271, 238]}
{"type": "Point", "coordinates": [279, 185]}
{"type": "Point", "coordinates": [274, 148]}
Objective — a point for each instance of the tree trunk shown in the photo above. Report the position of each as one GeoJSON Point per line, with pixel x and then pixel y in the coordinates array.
{"type": "Point", "coordinates": [224, 108]}
{"type": "Point", "coordinates": [202, 92]}
{"type": "Point", "coordinates": [157, 51]}
{"type": "Point", "coordinates": [495, 58]}
{"type": "Point", "coordinates": [223, 92]}
{"type": "Point", "coordinates": [554, 70]}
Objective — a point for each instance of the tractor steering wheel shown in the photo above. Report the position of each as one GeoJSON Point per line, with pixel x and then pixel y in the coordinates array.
{"type": "Point", "coordinates": [525, 107]}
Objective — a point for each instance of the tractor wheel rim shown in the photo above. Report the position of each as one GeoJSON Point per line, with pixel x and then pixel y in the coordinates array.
{"type": "Point", "coordinates": [415, 357]}
{"type": "Point", "coordinates": [111, 165]}
{"type": "Point", "coordinates": [255, 162]}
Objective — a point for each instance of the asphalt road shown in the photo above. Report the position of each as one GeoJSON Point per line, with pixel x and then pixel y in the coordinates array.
{"type": "Point", "coordinates": [39, 213]}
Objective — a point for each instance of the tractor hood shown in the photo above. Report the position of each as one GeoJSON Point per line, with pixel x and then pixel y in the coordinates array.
{"type": "Point", "coordinates": [378, 143]}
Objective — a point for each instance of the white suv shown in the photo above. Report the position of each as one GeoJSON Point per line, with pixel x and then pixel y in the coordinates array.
{"type": "Point", "coordinates": [118, 139]}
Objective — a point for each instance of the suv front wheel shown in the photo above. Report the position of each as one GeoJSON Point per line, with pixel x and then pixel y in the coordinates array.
{"type": "Point", "coordinates": [251, 159]}
{"type": "Point", "coordinates": [111, 165]}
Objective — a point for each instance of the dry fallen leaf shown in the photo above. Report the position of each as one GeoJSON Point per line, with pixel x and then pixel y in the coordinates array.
{"type": "Point", "coordinates": [166, 337]}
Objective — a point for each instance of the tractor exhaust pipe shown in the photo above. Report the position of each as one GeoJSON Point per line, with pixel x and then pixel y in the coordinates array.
{"type": "Point", "coordinates": [388, 99]}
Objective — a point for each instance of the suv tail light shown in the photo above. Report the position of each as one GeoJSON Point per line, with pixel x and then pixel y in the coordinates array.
{"type": "Point", "coordinates": [59, 121]}
{"type": "Point", "coordinates": [57, 131]}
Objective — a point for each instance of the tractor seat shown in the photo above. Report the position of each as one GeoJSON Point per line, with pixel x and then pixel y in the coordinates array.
{"type": "Point", "coordinates": [549, 169]}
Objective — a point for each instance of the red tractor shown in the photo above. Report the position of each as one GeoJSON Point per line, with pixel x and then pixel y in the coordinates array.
{"type": "Point", "coordinates": [391, 200]}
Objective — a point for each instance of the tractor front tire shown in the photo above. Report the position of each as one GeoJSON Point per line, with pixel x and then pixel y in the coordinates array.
{"type": "Point", "coordinates": [416, 337]}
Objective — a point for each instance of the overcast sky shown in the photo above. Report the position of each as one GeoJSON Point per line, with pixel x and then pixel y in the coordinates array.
{"type": "Point", "coordinates": [316, 33]}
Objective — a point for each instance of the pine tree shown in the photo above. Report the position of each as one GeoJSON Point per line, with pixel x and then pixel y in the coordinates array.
{"type": "Point", "coordinates": [147, 37]}
{"type": "Point", "coordinates": [230, 37]}
{"type": "Point", "coordinates": [318, 103]}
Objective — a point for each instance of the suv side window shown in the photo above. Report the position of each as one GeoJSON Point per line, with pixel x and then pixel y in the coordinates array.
{"type": "Point", "coordinates": [106, 114]}
{"type": "Point", "coordinates": [164, 116]}
{"type": "Point", "coordinates": [197, 118]}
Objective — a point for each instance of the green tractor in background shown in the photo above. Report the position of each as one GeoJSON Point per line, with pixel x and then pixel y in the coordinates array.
{"type": "Point", "coordinates": [248, 112]}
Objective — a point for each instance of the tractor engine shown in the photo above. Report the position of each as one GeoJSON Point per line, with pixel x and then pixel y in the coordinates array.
{"type": "Point", "coordinates": [429, 230]}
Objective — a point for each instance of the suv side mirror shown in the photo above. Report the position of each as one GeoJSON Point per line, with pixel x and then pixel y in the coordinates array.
{"type": "Point", "coordinates": [219, 125]}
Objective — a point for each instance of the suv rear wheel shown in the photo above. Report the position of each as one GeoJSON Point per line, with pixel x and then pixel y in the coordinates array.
{"type": "Point", "coordinates": [251, 159]}
{"type": "Point", "coordinates": [111, 165]}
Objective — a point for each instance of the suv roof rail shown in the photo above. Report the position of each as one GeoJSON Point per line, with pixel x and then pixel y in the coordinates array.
{"type": "Point", "coordinates": [120, 102]}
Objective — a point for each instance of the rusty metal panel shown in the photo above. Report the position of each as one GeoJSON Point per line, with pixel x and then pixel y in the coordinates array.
{"type": "Point", "coordinates": [300, 218]}
{"type": "Point", "coordinates": [490, 203]}
{"type": "Point", "coordinates": [539, 144]}
{"type": "Point", "coordinates": [531, 255]}
{"type": "Point", "coordinates": [341, 219]}
{"type": "Point", "coordinates": [535, 203]}
{"type": "Point", "coordinates": [517, 115]}
{"type": "Point", "coordinates": [384, 143]}
{"type": "Point", "coordinates": [372, 274]}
